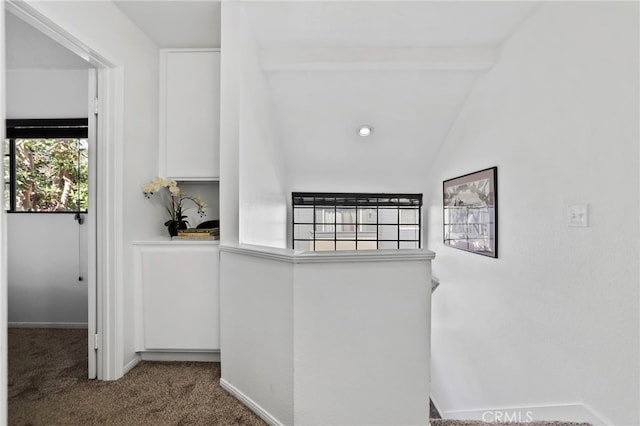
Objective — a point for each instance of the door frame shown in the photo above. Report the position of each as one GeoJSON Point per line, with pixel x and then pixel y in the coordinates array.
{"type": "Point", "coordinates": [105, 240]}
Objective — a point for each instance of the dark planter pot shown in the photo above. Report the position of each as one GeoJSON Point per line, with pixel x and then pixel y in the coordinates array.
{"type": "Point", "coordinates": [173, 229]}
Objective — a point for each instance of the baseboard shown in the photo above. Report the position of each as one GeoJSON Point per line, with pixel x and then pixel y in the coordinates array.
{"type": "Point", "coordinates": [167, 356]}
{"type": "Point", "coordinates": [435, 404]}
{"type": "Point", "coordinates": [47, 325]}
{"type": "Point", "coordinates": [261, 412]}
{"type": "Point", "coordinates": [131, 364]}
{"type": "Point", "coordinates": [569, 412]}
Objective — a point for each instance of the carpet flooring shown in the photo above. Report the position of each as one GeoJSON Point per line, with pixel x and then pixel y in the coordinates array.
{"type": "Point", "coordinates": [48, 386]}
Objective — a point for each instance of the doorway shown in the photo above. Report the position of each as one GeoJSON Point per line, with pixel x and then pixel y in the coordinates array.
{"type": "Point", "coordinates": [104, 232]}
{"type": "Point", "coordinates": [47, 234]}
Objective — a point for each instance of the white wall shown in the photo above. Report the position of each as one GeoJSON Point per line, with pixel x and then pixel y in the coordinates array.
{"type": "Point", "coordinates": [263, 202]}
{"type": "Point", "coordinates": [47, 93]}
{"type": "Point", "coordinates": [230, 66]}
{"type": "Point", "coordinates": [256, 331]}
{"type": "Point", "coordinates": [47, 252]}
{"type": "Point", "coordinates": [106, 30]}
{"type": "Point", "coordinates": [44, 265]}
{"type": "Point", "coordinates": [324, 338]}
{"type": "Point", "coordinates": [552, 326]}
{"type": "Point", "coordinates": [210, 194]}
{"type": "Point", "coordinates": [361, 336]}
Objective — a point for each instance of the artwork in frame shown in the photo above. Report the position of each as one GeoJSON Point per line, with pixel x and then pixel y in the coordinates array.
{"type": "Point", "coordinates": [470, 213]}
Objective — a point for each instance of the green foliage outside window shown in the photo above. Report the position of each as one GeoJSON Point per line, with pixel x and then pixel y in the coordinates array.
{"type": "Point", "coordinates": [51, 175]}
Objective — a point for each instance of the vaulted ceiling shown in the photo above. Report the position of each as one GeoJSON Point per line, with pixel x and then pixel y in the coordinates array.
{"type": "Point", "coordinates": [404, 67]}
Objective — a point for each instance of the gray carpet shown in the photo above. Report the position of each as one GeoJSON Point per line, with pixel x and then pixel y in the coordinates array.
{"type": "Point", "coordinates": [48, 386]}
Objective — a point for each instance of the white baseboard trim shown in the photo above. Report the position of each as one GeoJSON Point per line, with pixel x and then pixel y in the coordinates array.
{"type": "Point", "coordinates": [261, 412]}
{"type": "Point", "coordinates": [47, 325]}
{"type": "Point", "coordinates": [435, 403]}
{"type": "Point", "coordinates": [569, 412]}
{"type": "Point", "coordinates": [167, 356]}
{"type": "Point", "coordinates": [131, 364]}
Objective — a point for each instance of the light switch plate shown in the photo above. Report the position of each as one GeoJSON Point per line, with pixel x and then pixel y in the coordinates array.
{"type": "Point", "coordinates": [578, 215]}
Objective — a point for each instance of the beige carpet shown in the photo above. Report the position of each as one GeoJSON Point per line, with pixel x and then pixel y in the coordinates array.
{"type": "Point", "coordinates": [48, 386]}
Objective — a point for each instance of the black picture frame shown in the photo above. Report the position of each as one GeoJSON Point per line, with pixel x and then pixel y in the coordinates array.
{"type": "Point", "coordinates": [470, 212]}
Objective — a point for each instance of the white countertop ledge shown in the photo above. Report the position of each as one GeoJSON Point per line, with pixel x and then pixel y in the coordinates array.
{"type": "Point", "coordinates": [291, 256]}
{"type": "Point", "coordinates": [168, 241]}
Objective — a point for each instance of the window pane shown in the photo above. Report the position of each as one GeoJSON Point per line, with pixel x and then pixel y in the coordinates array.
{"type": "Point", "coordinates": [387, 245]}
{"type": "Point", "coordinates": [367, 229]}
{"type": "Point", "coordinates": [325, 215]}
{"type": "Point", "coordinates": [322, 228]}
{"type": "Point", "coordinates": [345, 245]}
{"type": "Point", "coordinates": [367, 245]}
{"type": "Point", "coordinates": [7, 148]}
{"type": "Point", "coordinates": [345, 235]}
{"type": "Point", "coordinates": [51, 174]}
{"type": "Point", "coordinates": [388, 215]}
{"type": "Point", "coordinates": [346, 216]}
{"type": "Point", "coordinates": [409, 232]}
{"type": "Point", "coordinates": [367, 216]}
{"type": "Point", "coordinates": [388, 232]}
{"type": "Point", "coordinates": [409, 245]}
{"type": "Point", "coordinates": [303, 232]}
{"type": "Point", "coordinates": [408, 216]}
{"type": "Point", "coordinates": [303, 215]}
{"type": "Point", "coordinates": [323, 245]}
{"type": "Point", "coordinates": [303, 245]}
{"type": "Point", "coordinates": [7, 169]}
{"type": "Point", "coordinates": [7, 196]}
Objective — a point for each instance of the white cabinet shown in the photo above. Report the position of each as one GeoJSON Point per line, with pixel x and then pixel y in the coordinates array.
{"type": "Point", "coordinates": [177, 296]}
{"type": "Point", "coordinates": [189, 114]}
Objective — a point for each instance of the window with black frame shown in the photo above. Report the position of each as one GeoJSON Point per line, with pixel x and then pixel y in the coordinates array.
{"type": "Point", "coordinates": [356, 221]}
{"type": "Point", "coordinates": [46, 165]}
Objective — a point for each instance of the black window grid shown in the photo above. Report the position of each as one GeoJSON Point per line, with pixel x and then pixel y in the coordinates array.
{"type": "Point", "coordinates": [47, 128]}
{"type": "Point", "coordinates": [358, 202]}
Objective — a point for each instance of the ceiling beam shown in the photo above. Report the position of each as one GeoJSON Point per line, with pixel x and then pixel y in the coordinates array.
{"type": "Point", "coordinates": [365, 58]}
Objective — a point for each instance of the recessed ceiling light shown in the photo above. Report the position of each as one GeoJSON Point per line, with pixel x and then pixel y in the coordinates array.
{"type": "Point", "coordinates": [365, 130]}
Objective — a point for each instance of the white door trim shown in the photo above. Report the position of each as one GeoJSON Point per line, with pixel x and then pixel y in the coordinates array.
{"type": "Point", "coordinates": [3, 250]}
{"type": "Point", "coordinates": [107, 241]}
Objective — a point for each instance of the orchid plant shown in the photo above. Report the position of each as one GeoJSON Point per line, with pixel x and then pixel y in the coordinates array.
{"type": "Point", "coordinates": [175, 199]}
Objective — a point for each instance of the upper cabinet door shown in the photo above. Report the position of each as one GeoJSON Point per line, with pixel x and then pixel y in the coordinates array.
{"type": "Point", "coordinates": [190, 114]}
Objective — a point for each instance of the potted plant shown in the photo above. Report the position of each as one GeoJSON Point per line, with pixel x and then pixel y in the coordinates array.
{"type": "Point", "coordinates": [175, 199]}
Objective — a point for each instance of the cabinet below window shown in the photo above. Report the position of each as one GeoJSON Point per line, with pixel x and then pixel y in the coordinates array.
{"type": "Point", "coordinates": [177, 296]}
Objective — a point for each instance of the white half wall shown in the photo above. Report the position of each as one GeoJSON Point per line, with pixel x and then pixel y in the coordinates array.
{"type": "Point", "coordinates": [553, 324]}
{"type": "Point", "coordinates": [256, 333]}
{"type": "Point", "coordinates": [324, 338]}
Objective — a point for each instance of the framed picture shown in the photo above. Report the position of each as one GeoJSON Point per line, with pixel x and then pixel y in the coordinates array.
{"type": "Point", "coordinates": [470, 213]}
